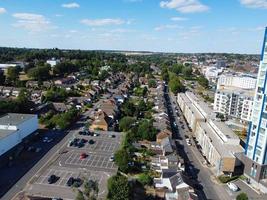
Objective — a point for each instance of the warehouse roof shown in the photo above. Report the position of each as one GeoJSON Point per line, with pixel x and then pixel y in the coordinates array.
{"type": "Point", "coordinates": [5, 133]}
{"type": "Point", "coordinates": [14, 119]}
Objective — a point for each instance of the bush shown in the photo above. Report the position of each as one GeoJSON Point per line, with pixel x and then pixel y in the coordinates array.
{"type": "Point", "coordinates": [145, 179]}
{"type": "Point", "coordinates": [226, 179]}
{"type": "Point", "coordinates": [242, 196]}
{"type": "Point", "coordinates": [79, 196]}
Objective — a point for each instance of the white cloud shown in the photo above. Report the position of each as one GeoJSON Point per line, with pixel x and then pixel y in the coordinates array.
{"type": "Point", "coordinates": [184, 6]}
{"type": "Point", "coordinates": [71, 5]}
{"type": "Point", "coordinates": [102, 22]}
{"type": "Point", "coordinates": [32, 22]}
{"type": "Point", "coordinates": [167, 26]}
{"type": "Point", "coordinates": [73, 31]}
{"type": "Point", "coordinates": [120, 30]}
{"type": "Point", "coordinates": [2, 10]}
{"type": "Point", "coordinates": [254, 3]}
{"type": "Point", "coordinates": [179, 19]}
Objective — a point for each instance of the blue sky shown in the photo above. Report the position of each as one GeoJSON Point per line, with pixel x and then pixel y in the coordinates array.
{"type": "Point", "coordinates": [155, 25]}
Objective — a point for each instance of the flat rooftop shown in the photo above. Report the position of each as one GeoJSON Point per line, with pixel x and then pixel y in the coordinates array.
{"type": "Point", "coordinates": [224, 149]}
{"type": "Point", "coordinates": [201, 106]}
{"type": "Point", "coordinates": [14, 118]}
{"type": "Point", "coordinates": [236, 90]}
{"type": "Point", "coordinates": [5, 133]}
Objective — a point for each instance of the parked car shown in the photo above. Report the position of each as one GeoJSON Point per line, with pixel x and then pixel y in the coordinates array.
{"type": "Point", "coordinates": [233, 187]}
{"type": "Point", "coordinates": [70, 181]}
{"type": "Point", "coordinates": [188, 141]}
{"type": "Point", "coordinates": [77, 182]}
{"type": "Point", "coordinates": [52, 179]}
{"type": "Point", "coordinates": [91, 141]}
{"type": "Point", "coordinates": [83, 156]}
{"type": "Point", "coordinates": [111, 159]}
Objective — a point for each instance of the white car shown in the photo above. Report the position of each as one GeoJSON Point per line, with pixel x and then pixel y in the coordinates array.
{"type": "Point", "coordinates": [111, 159]}
{"type": "Point", "coordinates": [233, 187]}
{"type": "Point", "coordinates": [188, 141]}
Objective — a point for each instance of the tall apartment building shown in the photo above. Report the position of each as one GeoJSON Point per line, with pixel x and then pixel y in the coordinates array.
{"type": "Point", "coordinates": [255, 158]}
{"type": "Point", "coordinates": [234, 96]}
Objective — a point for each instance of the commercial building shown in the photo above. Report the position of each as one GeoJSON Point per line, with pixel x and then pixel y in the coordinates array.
{"type": "Point", "coordinates": [243, 81]}
{"type": "Point", "coordinates": [255, 158]}
{"type": "Point", "coordinates": [14, 128]}
{"type": "Point", "coordinates": [53, 62]}
{"type": "Point", "coordinates": [218, 143]}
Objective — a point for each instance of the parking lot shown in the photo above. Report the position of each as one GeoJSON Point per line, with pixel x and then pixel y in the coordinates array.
{"type": "Point", "coordinates": [92, 161]}
{"type": "Point", "coordinates": [100, 145]}
{"type": "Point", "coordinates": [97, 165]}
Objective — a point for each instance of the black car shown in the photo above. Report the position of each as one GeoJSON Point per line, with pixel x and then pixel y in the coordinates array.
{"type": "Point", "coordinates": [77, 182]}
{"type": "Point", "coordinates": [82, 133]}
{"type": "Point", "coordinates": [52, 179]}
{"type": "Point", "coordinates": [83, 140]}
{"type": "Point", "coordinates": [70, 181]}
{"type": "Point", "coordinates": [91, 141]}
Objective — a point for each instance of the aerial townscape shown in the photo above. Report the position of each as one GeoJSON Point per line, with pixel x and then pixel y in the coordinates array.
{"type": "Point", "coordinates": [166, 100]}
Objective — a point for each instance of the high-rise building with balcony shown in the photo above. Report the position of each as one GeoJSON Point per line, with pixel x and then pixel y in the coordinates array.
{"type": "Point", "coordinates": [255, 159]}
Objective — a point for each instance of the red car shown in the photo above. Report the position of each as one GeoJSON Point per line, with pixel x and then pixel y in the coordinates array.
{"type": "Point", "coordinates": [83, 156]}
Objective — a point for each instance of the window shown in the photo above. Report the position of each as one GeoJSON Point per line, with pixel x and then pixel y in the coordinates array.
{"type": "Point", "coordinates": [259, 97]}
{"type": "Point", "coordinates": [264, 115]}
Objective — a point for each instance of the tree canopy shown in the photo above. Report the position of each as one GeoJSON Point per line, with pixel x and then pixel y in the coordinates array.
{"type": "Point", "coordinates": [118, 188]}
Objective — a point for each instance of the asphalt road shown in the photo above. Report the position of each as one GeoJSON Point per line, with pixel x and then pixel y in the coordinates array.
{"type": "Point", "coordinates": [193, 158]}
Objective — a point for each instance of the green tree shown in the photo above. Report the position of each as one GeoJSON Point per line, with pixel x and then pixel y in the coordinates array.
{"type": "Point", "coordinates": [64, 67]}
{"type": "Point", "coordinates": [146, 131]}
{"type": "Point", "coordinates": [177, 68]}
{"type": "Point", "coordinates": [2, 77]}
{"type": "Point", "coordinates": [118, 188]}
{"type": "Point", "coordinates": [145, 179]}
{"type": "Point", "coordinates": [242, 196]}
{"type": "Point", "coordinates": [79, 196]}
{"type": "Point", "coordinates": [187, 71]}
{"type": "Point", "coordinates": [122, 158]}
{"type": "Point", "coordinates": [152, 83]}
{"type": "Point", "coordinates": [126, 123]}
{"type": "Point", "coordinates": [39, 73]}
{"type": "Point", "coordinates": [176, 85]}
{"type": "Point", "coordinates": [203, 81]}
{"type": "Point", "coordinates": [13, 74]}
{"type": "Point", "coordinates": [103, 75]}
{"type": "Point", "coordinates": [128, 108]}
{"type": "Point", "coordinates": [165, 74]}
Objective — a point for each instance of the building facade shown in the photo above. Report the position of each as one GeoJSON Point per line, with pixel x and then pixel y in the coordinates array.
{"type": "Point", "coordinates": [219, 144]}
{"type": "Point", "coordinates": [237, 80]}
{"type": "Point", "coordinates": [14, 128]}
{"type": "Point", "coordinates": [234, 102]}
{"type": "Point", "coordinates": [255, 158]}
